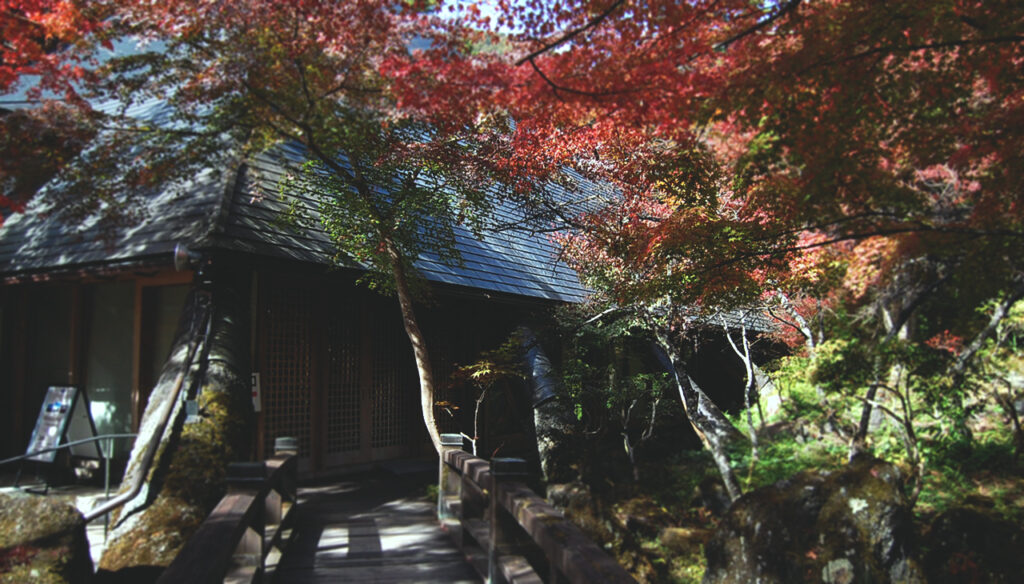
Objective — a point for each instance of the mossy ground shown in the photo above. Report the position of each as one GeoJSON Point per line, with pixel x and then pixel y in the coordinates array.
{"type": "Point", "coordinates": [629, 517]}
{"type": "Point", "coordinates": [42, 540]}
{"type": "Point", "coordinates": [192, 485]}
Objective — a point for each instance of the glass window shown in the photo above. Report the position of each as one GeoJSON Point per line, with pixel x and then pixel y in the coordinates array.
{"type": "Point", "coordinates": [49, 343]}
{"type": "Point", "coordinates": [108, 359]}
{"type": "Point", "coordinates": [167, 304]}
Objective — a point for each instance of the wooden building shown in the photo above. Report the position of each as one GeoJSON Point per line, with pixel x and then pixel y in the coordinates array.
{"type": "Point", "coordinates": [97, 307]}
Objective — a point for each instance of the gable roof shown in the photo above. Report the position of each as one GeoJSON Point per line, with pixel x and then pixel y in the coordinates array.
{"type": "Point", "coordinates": [35, 242]}
{"type": "Point", "coordinates": [242, 212]}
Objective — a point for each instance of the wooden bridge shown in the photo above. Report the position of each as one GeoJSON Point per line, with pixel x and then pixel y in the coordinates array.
{"type": "Point", "coordinates": [484, 525]}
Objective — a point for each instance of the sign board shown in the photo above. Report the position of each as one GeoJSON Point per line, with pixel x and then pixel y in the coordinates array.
{"type": "Point", "coordinates": [65, 411]}
{"type": "Point", "coordinates": [256, 392]}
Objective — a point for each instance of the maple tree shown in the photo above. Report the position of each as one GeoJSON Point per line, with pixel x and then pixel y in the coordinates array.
{"type": "Point", "coordinates": [198, 86]}
{"type": "Point", "coordinates": [47, 48]}
{"type": "Point", "coordinates": [53, 41]}
{"type": "Point", "coordinates": [802, 155]}
{"type": "Point", "coordinates": [233, 79]}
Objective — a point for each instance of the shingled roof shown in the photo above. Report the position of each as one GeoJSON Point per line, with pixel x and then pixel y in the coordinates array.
{"type": "Point", "coordinates": [242, 212]}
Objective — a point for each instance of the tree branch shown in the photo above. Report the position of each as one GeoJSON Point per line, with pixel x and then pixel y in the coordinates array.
{"type": "Point", "coordinates": [782, 11]}
{"type": "Point", "coordinates": [571, 34]}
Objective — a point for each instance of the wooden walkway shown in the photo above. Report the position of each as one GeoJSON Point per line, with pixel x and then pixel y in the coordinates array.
{"type": "Point", "coordinates": [375, 527]}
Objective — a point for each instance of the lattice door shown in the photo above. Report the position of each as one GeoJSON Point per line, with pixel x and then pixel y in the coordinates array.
{"type": "Point", "coordinates": [343, 378]}
{"type": "Point", "coordinates": [395, 387]}
{"type": "Point", "coordinates": [287, 371]}
{"type": "Point", "coordinates": [337, 373]}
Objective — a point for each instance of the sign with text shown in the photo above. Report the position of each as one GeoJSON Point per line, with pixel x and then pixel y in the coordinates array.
{"type": "Point", "coordinates": [62, 406]}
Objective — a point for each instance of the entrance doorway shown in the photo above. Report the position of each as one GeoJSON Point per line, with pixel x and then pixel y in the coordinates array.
{"type": "Point", "coordinates": [336, 372]}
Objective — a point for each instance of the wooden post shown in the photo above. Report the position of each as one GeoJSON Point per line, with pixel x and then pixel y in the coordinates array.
{"type": "Point", "coordinates": [445, 487]}
{"type": "Point", "coordinates": [283, 446]}
{"type": "Point", "coordinates": [286, 445]}
{"type": "Point", "coordinates": [249, 477]}
{"type": "Point", "coordinates": [502, 525]}
{"type": "Point", "coordinates": [449, 489]}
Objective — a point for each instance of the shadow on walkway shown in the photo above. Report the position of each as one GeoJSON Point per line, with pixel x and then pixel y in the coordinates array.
{"type": "Point", "coordinates": [372, 527]}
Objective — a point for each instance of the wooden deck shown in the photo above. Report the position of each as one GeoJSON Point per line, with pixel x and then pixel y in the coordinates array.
{"type": "Point", "coordinates": [374, 527]}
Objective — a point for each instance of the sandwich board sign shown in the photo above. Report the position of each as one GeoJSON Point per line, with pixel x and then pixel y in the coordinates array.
{"type": "Point", "coordinates": [64, 416]}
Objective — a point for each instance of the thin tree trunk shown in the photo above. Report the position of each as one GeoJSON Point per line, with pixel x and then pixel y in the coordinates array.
{"type": "Point", "coordinates": [713, 428]}
{"type": "Point", "coordinates": [748, 386]}
{"type": "Point", "coordinates": [419, 345]}
{"type": "Point", "coordinates": [186, 478]}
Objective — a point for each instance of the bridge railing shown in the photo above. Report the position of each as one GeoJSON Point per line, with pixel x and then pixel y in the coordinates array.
{"type": "Point", "coordinates": [246, 526]}
{"type": "Point", "coordinates": [508, 532]}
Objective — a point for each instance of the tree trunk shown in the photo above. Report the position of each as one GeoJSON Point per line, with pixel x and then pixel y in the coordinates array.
{"type": "Point", "coordinates": [419, 344]}
{"type": "Point", "coordinates": [714, 430]}
{"type": "Point", "coordinates": [186, 478]}
{"type": "Point", "coordinates": [553, 424]}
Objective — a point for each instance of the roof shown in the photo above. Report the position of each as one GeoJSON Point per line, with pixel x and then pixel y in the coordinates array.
{"type": "Point", "coordinates": [233, 212]}
{"type": "Point", "coordinates": [34, 242]}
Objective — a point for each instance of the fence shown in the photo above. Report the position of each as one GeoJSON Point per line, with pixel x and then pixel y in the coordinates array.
{"type": "Point", "coordinates": [247, 526]}
{"type": "Point", "coordinates": [508, 532]}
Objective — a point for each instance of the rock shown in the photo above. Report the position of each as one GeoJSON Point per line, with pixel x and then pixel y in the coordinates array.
{"type": "Point", "coordinates": [641, 516]}
{"type": "Point", "coordinates": [974, 545]}
{"type": "Point", "coordinates": [569, 495]}
{"type": "Point", "coordinates": [854, 525]}
{"type": "Point", "coordinates": [711, 495]}
{"type": "Point", "coordinates": [42, 540]}
{"type": "Point", "coordinates": [684, 541]}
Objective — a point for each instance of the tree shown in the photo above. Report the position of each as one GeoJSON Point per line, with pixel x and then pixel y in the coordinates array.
{"type": "Point", "coordinates": [220, 82]}
{"type": "Point", "coordinates": [863, 158]}
{"type": "Point", "coordinates": [236, 78]}
{"type": "Point", "coordinates": [47, 47]}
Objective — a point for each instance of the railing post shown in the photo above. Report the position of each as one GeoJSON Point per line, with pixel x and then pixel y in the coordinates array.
{"type": "Point", "coordinates": [445, 485]}
{"type": "Point", "coordinates": [502, 525]}
{"type": "Point", "coordinates": [288, 445]}
{"type": "Point", "coordinates": [249, 477]}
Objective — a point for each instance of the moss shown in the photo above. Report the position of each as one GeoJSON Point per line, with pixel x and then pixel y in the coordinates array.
{"type": "Point", "coordinates": [197, 472]}
{"type": "Point", "coordinates": [190, 488]}
{"type": "Point", "coordinates": [42, 540]}
{"type": "Point", "coordinates": [31, 573]}
{"type": "Point", "coordinates": [157, 538]}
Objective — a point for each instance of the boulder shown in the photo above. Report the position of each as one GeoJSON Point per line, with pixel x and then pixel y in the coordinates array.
{"type": "Point", "coordinates": [570, 495]}
{"type": "Point", "coordinates": [42, 540]}
{"type": "Point", "coordinates": [853, 525]}
{"type": "Point", "coordinates": [973, 544]}
{"type": "Point", "coordinates": [684, 541]}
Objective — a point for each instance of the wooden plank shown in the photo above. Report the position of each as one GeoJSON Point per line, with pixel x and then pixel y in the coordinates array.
{"type": "Point", "coordinates": [478, 471]}
{"type": "Point", "coordinates": [208, 554]}
{"type": "Point", "coordinates": [568, 549]}
{"type": "Point", "coordinates": [479, 530]}
{"type": "Point", "coordinates": [517, 570]}
{"type": "Point", "coordinates": [243, 575]}
{"type": "Point", "coordinates": [378, 528]}
{"type": "Point", "coordinates": [19, 365]}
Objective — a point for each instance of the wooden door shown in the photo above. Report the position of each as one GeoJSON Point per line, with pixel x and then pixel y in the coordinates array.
{"type": "Point", "coordinates": [286, 367]}
{"type": "Point", "coordinates": [336, 373]}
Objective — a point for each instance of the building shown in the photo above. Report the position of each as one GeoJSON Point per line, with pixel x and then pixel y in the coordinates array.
{"type": "Point", "coordinates": [98, 308]}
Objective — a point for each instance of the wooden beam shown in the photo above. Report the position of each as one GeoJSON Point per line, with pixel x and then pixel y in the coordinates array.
{"type": "Point", "coordinates": [254, 356]}
{"type": "Point", "coordinates": [366, 389]}
{"type": "Point", "coordinates": [19, 364]}
{"type": "Point", "coordinates": [77, 337]}
{"type": "Point", "coordinates": [137, 330]}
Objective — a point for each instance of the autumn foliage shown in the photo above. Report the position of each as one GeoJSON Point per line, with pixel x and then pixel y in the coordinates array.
{"type": "Point", "coordinates": [852, 168]}
{"type": "Point", "coordinates": [852, 165]}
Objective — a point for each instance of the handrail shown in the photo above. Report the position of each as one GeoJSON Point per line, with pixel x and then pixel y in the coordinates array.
{"type": "Point", "coordinates": [508, 532]}
{"type": "Point", "coordinates": [28, 455]}
{"type": "Point", "coordinates": [149, 452]}
{"type": "Point", "coordinates": [234, 541]}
